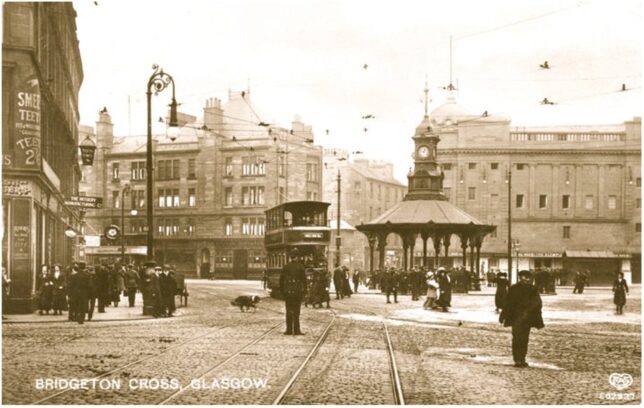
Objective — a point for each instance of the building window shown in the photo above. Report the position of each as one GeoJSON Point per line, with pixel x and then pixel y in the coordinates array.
{"type": "Point", "coordinates": [192, 197]}
{"type": "Point", "coordinates": [446, 166]}
{"type": "Point", "coordinates": [253, 166]}
{"type": "Point", "coordinates": [471, 193]}
{"type": "Point", "coordinates": [520, 166]}
{"type": "Point", "coordinates": [543, 201]}
{"type": "Point", "coordinates": [169, 197]}
{"type": "Point", "coordinates": [253, 195]}
{"type": "Point", "coordinates": [280, 166]}
{"type": "Point", "coordinates": [566, 232]}
{"type": "Point", "coordinates": [612, 202]}
{"type": "Point", "coordinates": [116, 203]}
{"type": "Point", "coordinates": [494, 201]}
{"type": "Point", "coordinates": [638, 227]}
{"type": "Point", "coordinates": [281, 195]}
{"type": "Point", "coordinates": [519, 201]}
{"type": "Point", "coordinates": [168, 170]}
{"type": "Point", "coordinates": [471, 166]}
{"type": "Point", "coordinates": [356, 188]}
{"type": "Point", "coordinates": [138, 170]}
{"type": "Point", "coordinates": [115, 171]}
{"type": "Point", "coordinates": [228, 167]}
{"type": "Point", "coordinates": [312, 195]}
{"type": "Point", "coordinates": [638, 182]}
{"type": "Point", "coordinates": [588, 204]}
{"type": "Point", "coordinates": [228, 197]}
{"type": "Point", "coordinates": [494, 166]}
{"type": "Point", "coordinates": [191, 169]}
{"type": "Point", "coordinates": [638, 203]}
{"type": "Point", "coordinates": [228, 227]}
{"type": "Point", "coordinates": [137, 198]}
{"type": "Point", "coordinates": [493, 234]}
{"type": "Point", "coordinates": [312, 172]}
{"type": "Point", "coordinates": [190, 227]}
{"type": "Point", "coordinates": [565, 201]}
{"type": "Point", "coordinates": [252, 226]}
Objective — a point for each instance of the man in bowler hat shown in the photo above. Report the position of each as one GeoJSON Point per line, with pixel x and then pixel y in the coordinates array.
{"type": "Point", "coordinates": [522, 311]}
{"type": "Point", "coordinates": [292, 283]}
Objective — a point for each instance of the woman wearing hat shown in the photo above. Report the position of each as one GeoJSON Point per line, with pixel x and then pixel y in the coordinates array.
{"type": "Point", "coordinates": [620, 288]}
{"type": "Point", "coordinates": [432, 290]}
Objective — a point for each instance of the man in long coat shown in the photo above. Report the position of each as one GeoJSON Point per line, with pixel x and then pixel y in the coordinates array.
{"type": "Point", "coordinates": [79, 288]}
{"type": "Point", "coordinates": [292, 284]}
{"type": "Point", "coordinates": [522, 311]}
{"type": "Point", "coordinates": [338, 282]}
{"type": "Point", "coordinates": [445, 287]}
{"type": "Point", "coordinates": [168, 290]}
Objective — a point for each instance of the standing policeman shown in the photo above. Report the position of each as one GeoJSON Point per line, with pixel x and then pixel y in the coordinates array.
{"type": "Point", "coordinates": [522, 311]}
{"type": "Point", "coordinates": [292, 281]}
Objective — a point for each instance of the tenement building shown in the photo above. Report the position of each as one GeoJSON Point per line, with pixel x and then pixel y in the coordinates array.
{"type": "Point", "coordinates": [212, 185]}
{"type": "Point", "coordinates": [41, 76]}
{"type": "Point", "coordinates": [573, 192]}
{"type": "Point", "coordinates": [367, 189]}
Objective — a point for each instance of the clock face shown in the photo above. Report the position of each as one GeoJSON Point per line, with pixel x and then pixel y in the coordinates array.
{"type": "Point", "coordinates": [423, 152]}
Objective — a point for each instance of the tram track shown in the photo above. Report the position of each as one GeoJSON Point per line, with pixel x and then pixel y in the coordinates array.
{"type": "Point", "coordinates": [133, 363]}
{"type": "Point", "coordinates": [396, 384]}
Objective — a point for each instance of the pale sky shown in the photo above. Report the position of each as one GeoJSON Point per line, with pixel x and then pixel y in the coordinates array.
{"type": "Point", "coordinates": [307, 58]}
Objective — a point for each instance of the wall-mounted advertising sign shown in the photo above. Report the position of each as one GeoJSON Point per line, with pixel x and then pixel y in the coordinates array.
{"type": "Point", "coordinates": [27, 152]}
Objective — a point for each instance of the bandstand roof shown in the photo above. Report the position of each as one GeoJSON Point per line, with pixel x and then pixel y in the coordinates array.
{"type": "Point", "coordinates": [424, 215]}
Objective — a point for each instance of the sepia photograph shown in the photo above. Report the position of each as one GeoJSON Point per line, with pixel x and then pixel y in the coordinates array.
{"type": "Point", "coordinates": [324, 202]}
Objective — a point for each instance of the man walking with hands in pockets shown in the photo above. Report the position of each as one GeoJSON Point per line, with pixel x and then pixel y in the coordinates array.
{"type": "Point", "coordinates": [522, 311]}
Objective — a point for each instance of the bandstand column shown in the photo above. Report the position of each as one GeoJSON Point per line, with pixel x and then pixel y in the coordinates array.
{"type": "Point", "coordinates": [372, 243]}
{"type": "Point", "coordinates": [471, 256]}
{"type": "Point", "coordinates": [437, 249]}
{"type": "Point", "coordinates": [478, 259]}
{"type": "Point", "coordinates": [382, 244]}
{"type": "Point", "coordinates": [405, 248]}
{"type": "Point", "coordinates": [464, 248]}
{"type": "Point", "coordinates": [446, 239]}
{"type": "Point", "coordinates": [424, 237]}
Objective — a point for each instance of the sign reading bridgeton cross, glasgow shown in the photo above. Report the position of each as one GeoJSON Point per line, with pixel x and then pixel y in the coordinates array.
{"type": "Point", "coordinates": [84, 202]}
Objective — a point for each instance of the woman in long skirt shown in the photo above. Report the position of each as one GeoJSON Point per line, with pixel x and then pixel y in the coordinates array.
{"type": "Point", "coordinates": [620, 288]}
{"type": "Point", "coordinates": [45, 288]}
{"type": "Point", "coordinates": [59, 291]}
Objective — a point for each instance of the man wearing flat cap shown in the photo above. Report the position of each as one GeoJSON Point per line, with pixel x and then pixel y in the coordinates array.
{"type": "Point", "coordinates": [522, 311]}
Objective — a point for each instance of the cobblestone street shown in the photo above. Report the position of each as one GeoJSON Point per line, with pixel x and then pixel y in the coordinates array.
{"type": "Point", "coordinates": [214, 354]}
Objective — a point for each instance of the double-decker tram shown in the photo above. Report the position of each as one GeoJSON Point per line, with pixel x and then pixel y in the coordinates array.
{"type": "Point", "coordinates": [296, 224]}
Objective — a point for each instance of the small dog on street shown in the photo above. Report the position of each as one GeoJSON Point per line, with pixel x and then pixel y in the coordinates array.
{"type": "Point", "coordinates": [245, 302]}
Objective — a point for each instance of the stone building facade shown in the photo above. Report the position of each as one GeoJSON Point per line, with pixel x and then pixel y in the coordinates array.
{"type": "Point", "coordinates": [212, 186]}
{"type": "Point", "coordinates": [575, 191]}
{"type": "Point", "coordinates": [368, 189]}
{"type": "Point", "coordinates": [41, 77]}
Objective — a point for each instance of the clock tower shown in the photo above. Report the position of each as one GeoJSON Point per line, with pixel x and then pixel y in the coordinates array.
{"type": "Point", "coordinates": [425, 181]}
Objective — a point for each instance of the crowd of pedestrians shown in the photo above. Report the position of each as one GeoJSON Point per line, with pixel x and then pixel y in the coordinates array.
{"type": "Point", "coordinates": [80, 289]}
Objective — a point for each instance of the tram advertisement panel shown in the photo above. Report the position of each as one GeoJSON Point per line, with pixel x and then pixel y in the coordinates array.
{"type": "Point", "coordinates": [307, 236]}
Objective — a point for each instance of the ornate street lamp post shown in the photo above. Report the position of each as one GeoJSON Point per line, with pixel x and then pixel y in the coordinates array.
{"type": "Point", "coordinates": [158, 81]}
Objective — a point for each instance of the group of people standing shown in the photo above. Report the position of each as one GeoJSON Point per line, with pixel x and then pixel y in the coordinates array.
{"type": "Point", "coordinates": [80, 289]}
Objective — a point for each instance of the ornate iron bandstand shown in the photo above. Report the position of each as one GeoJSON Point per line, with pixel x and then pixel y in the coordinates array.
{"type": "Point", "coordinates": [426, 213]}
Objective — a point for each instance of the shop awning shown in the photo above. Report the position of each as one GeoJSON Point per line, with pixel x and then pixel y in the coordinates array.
{"type": "Point", "coordinates": [590, 254]}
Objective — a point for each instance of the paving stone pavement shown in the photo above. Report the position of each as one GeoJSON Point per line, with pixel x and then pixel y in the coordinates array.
{"type": "Point", "coordinates": [442, 359]}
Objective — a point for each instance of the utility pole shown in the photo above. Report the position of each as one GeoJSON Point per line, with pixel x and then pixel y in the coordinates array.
{"type": "Point", "coordinates": [338, 238]}
{"type": "Point", "coordinates": [510, 223]}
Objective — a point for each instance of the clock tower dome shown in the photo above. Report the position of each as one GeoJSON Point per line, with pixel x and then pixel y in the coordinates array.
{"type": "Point", "coordinates": [426, 179]}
